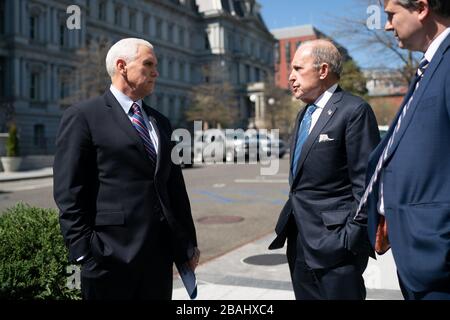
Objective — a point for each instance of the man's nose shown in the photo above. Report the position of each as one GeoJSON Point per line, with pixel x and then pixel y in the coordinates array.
{"type": "Point", "coordinates": [291, 77]}
{"type": "Point", "coordinates": [388, 26]}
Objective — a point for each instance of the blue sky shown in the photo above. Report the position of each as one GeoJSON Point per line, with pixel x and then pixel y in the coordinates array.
{"type": "Point", "coordinates": [323, 15]}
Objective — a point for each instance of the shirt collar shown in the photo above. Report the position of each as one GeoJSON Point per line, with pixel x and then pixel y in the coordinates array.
{"type": "Point", "coordinates": [124, 101]}
{"type": "Point", "coordinates": [435, 44]}
{"type": "Point", "coordinates": [322, 101]}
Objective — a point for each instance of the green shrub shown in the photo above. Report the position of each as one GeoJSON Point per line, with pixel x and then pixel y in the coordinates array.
{"type": "Point", "coordinates": [12, 143]}
{"type": "Point", "coordinates": [33, 258]}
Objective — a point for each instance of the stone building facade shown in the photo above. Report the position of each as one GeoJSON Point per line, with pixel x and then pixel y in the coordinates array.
{"type": "Point", "coordinates": [38, 55]}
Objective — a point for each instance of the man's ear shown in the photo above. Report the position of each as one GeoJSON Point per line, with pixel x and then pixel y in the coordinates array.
{"type": "Point", "coordinates": [121, 66]}
{"type": "Point", "coordinates": [423, 8]}
{"type": "Point", "coordinates": [323, 71]}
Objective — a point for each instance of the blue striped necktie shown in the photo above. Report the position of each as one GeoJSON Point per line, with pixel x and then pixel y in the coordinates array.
{"type": "Point", "coordinates": [139, 124]}
{"type": "Point", "coordinates": [302, 135]}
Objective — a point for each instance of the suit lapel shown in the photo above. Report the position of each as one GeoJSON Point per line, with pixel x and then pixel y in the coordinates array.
{"type": "Point", "coordinates": [424, 82]}
{"type": "Point", "coordinates": [123, 121]}
{"type": "Point", "coordinates": [327, 113]}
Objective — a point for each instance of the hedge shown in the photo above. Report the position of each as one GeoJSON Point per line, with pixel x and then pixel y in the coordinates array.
{"type": "Point", "coordinates": [33, 258]}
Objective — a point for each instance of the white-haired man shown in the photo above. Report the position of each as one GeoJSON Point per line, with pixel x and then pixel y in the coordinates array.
{"type": "Point", "coordinates": [124, 210]}
{"type": "Point", "coordinates": [333, 137]}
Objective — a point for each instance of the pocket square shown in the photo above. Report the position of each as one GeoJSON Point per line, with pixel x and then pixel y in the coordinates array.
{"type": "Point", "coordinates": [324, 138]}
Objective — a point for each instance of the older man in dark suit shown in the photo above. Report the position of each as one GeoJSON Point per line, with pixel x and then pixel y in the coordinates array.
{"type": "Point", "coordinates": [408, 192]}
{"type": "Point", "coordinates": [333, 137]}
{"type": "Point", "coordinates": [124, 210]}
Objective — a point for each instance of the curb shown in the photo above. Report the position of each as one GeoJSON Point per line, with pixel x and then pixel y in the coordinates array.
{"type": "Point", "coordinates": [7, 177]}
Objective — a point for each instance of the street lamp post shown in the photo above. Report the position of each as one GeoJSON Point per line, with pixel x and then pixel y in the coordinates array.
{"type": "Point", "coordinates": [271, 101]}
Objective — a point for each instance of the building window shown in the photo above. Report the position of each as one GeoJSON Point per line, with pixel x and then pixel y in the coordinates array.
{"type": "Point", "coordinates": [183, 106]}
{"type": "Point", "coordinates": [192, 73]}
{"type": "Point", "coordinates": [158, 28]}
{"type": "Point", "coordinates": [182, 73]}
{"type": "Point", "coordinates": [230, 43]}
{"type": "Point", "coordinates": [2, 17]}
{"type": "Point", "coordinates": [2, 77]}
{"type": "Point", "coordinates": [181, 36]}
{"type": "Point", "coordinates": [257, 75]}
{"type": "Point", "coordinates": [34, 86]}
{"type": "Point", "coordinates": [39, 136]}
{"type": "Point", "coordinates": [170, 69]}
{"type": "Point", "coordinates": [161, 67]}
{"type": "Point", "coordinates": [247, 73]}
{"type": "Point", "coordinates": [207, 44]}
{"type": "Point", "coordinates": [62, 34]}
{"type": "Point", "coordinates": [33, 27]}
{"type": "Point", "coordinates": [63, 88]}
{"type": "Point", "coordinates": [287, 49]}
{"type": "Point", "coordinates": [298, 44]}
{"type": "Point", "coordinates": [160, 103]}
{"type": "Point", "coordinates": [102, 11]}
{"type": "Point", "coordinates": [132, 21]}
{"type": "Point", "coordinates": [170, 33]}
{"type": "Point", "coordinates": [146, 25]}
{"type": "Point", "coordinates": [172, 108]}
{"type": "Point", "coordinates": [118, 15]}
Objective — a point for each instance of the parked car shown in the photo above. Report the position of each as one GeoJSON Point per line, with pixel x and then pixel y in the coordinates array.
{"type": "Point", "coordinates": [216, 146]}
{"type": "Point", "coordinates": [256, 144]}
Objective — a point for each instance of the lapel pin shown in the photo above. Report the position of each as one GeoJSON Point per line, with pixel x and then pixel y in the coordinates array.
{"type": "Point", "coordinates": [330, 112]}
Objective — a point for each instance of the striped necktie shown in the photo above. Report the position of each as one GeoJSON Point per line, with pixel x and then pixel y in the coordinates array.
{"type": "Point", "coordinates": [139, 124]}
{"type": "Point", "coordinates": [414, 85]}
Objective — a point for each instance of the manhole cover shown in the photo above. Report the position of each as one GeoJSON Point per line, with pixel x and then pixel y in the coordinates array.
{"type": "Point", "coordinates": [220, 219]}
{"type": "Point", "coordinates": [266, 259]}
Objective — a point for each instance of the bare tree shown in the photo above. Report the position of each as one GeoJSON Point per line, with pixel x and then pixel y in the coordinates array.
{"type": "Point", "coordinates": [214, 102]}
{"type": "Point", "coordinates": [281, 109]}
{"type": "Point", "coordinates": [89, 78]}
{"type": "Point", "coordinates": [375, 41]}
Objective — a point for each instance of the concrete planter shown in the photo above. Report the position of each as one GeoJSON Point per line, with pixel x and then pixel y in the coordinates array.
{"type": "Point", "coordinates": [11, 164]}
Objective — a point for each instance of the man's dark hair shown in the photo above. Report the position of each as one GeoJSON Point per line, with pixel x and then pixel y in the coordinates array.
{"type": "Point", "coordinates": [440, 7]}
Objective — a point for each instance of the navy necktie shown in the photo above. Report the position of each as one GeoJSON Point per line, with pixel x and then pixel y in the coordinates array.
{"type": "Point", "coordinates": [302, 135]}
{"type": "Point", "coordinates": [139, 124]}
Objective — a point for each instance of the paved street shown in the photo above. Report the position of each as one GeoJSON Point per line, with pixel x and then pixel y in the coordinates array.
{"type": "Point", "coordinates": [232, 204]}
{"type": "Point", "coordinates": [235, 209]}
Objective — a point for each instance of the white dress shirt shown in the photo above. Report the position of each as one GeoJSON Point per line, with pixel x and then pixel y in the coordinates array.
{"type": "Point", "coordinates": [321, 102]}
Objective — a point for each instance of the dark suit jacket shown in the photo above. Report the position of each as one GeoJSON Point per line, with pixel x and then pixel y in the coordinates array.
{"type": "Point", "coordinates": [108, 191]}
{"type": "Point", "coordinates": [325, 190]}
{"type": "Point", "coordinates": [416, 180]}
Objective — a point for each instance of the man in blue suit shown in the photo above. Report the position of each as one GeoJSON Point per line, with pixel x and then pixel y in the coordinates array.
{"type": "Point", "coordinates": [408, 177]}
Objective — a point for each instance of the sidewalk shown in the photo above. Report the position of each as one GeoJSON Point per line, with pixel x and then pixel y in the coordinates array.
{"type": "Point", "coordinates": [25, 175]}
{"type": "Point", "coordinates": [253, 272]}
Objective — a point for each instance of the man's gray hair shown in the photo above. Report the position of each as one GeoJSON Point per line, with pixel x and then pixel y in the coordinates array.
{"type": "Point", "coordinates": [125, 49]}
{"type": "Point", "coordinates": [440, 7]}
{"type": "Point", "coordinates": [324, 51]}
